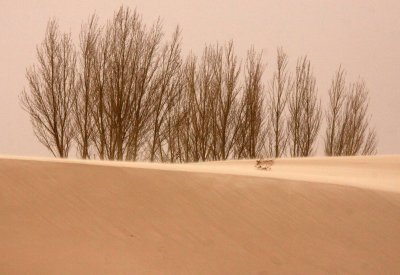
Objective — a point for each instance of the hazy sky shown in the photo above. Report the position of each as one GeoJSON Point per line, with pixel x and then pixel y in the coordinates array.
{"type": "Point", "coordinates": [362, 35]}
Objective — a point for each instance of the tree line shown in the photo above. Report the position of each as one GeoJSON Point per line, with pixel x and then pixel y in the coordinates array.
{"type": "Point", "coordinates": [125, 92]}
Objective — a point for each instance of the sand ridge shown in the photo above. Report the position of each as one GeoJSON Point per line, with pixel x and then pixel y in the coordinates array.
{"type": "Point", "coordinates": [63, 217]}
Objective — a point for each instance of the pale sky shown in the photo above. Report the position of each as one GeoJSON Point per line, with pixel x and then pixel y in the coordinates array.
{"type": "Point", "coordinates": [363, 36]}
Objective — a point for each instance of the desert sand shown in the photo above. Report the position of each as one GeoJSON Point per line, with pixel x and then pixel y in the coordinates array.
{"type": "Point", "coordinates": [305, 216]}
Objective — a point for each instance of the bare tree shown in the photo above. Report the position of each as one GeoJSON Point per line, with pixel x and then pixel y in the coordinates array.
{"type": "Point", "coordinates": [84, 124]}
{"type": "Point", "coordinates": [304, 112]}
{"type": "Point", "coordinates": [49, 100]}
{"type": "Point", "coordinates": [164, 97]}
{"type": "Point", "coordinates": [202, 101]}
{"type": "Point", "coordinates": [145, 64]}
{"type": "Point", "coordinates": [348, 131]}
{"type": "Point", "coordinates": [177, 124]}
{"type": "Point", "coordinates": [125, 80]}
{"type": "Point", "coordinates": [337, 97]}
{"type": "Point", "coordinates": [252, 133]}
{"type": "Point", "coordinates": [100, 110]}
{"type": "Point", "coordinates": [370, 144]}
{"type": "Point", "coordinates": [184, 112]}
{"type": "Point", "coordinates": [123, 32]}
{"type": "Point", "coordinates": [226, 88]}
{"type": "Point", "coordinates": [113, 112]}
{"type": "Point", "coordinates": [279, 91]}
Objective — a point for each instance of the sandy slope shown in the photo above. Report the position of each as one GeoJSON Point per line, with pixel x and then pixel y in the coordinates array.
{"type": "Point", "coordinates": [74, 217]}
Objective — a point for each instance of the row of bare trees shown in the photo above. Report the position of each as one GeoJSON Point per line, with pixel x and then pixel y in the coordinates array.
{"type": "Point", "coordinates": [126, 93]}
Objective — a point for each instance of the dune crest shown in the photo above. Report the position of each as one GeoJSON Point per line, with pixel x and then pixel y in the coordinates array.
{"type": "Point", "coordinates": [376, 172]}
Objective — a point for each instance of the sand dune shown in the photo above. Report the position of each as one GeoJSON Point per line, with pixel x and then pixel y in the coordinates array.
{"type": "Point", "coordinates": [91, 217]}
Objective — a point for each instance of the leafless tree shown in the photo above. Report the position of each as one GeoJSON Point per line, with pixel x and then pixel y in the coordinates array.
{"type": "Point", "coordinates": [145, 65]}
{"type": "Point", "coordinates": [186, 139]}
{"type": "Point", "coordinates": [125, 37]}
{"type": "Point", "coordinates": [84, 124]}
{"type": "Point", "coordinates": [304, 111]}
{"type": "Point", "coordinates": [370, 144]}
{"type": "Point", "coordinates": [337, 95]}
{"type": "Point", "coordinates": [177, 124]}
{"type": "Point", "coordinates": [279, 91]}
{"type": "Point", "coordinates": [164, 98]}
{"type": "Point", "coordinates": [252, 131]}
{"type": "Point", "coordinates": [126, 65]}
{"type": "Point", "coordinates": [202, 102]}
{"type": "Point", "coordinates": [113, 84]}
{"type": "Point", "coordinates": [100, 110]}
{"type": "Point", "coordinates": [348, 132]}
{"type": "Point", "coordinates": [49, 100]}
{"type": "Point", "coordinates": [225, 88]}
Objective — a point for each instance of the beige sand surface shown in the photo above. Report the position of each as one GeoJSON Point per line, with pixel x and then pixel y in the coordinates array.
{"type": "Point", "coordinates": [91, 217]}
